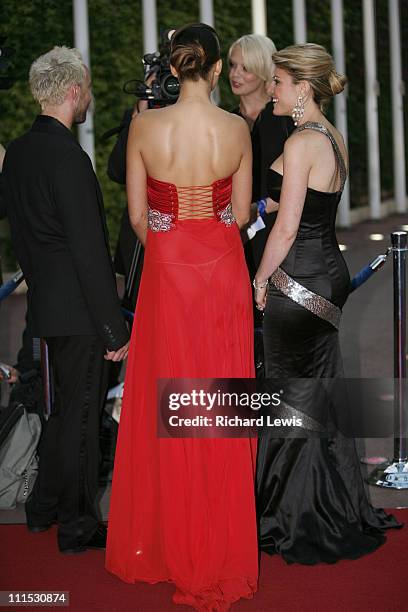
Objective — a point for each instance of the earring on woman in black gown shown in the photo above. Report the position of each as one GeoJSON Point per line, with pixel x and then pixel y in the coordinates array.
{"type": "Point", "coordinates": [298, 110]}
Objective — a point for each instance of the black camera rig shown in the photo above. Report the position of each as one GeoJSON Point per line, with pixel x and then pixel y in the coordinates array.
{"type": "Point", "coordinates": [165, 88]}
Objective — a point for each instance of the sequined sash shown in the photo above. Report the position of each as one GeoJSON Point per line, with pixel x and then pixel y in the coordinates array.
{"type": "Point", "coordinates": [313, 302]}
{"type": "Point", "coordinates": [286, 411]}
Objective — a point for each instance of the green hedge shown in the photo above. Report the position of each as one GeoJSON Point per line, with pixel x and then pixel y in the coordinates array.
{"type": "Point", "coordinates": [116, 48]}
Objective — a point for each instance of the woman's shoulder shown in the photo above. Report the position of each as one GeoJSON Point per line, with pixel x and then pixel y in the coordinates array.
{"type": "Point", "coordinates": [234, 115]}
{"type": "Point", "coordinates": [318, 131]}
{"type": "Point", "coordinates": [149, 120]}
{"type": "Point", "coordinates": [318, 136]}
{"type": "Point", "coordinates": [315, 142]}
{"type": "Point", "coordinates": [301, 139]}
{"type": "Point", "coordinates": [152, 114]}
{"type": "Point", "coordinates": [304, 136]}
{"type": "Point", "coordinates": [230, 122]}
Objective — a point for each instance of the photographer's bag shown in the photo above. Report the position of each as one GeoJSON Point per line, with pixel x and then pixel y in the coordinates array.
{"type": "Point", "coordinates": [19, 436]}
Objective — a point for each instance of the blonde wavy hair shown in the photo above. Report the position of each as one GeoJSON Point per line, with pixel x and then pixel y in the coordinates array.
{"type": "Point", "coordinates": [52, 74]}
{"type": "Point", "coordinates": [312, 63]}
{"type": "Point", "coordinates": [257, 51]}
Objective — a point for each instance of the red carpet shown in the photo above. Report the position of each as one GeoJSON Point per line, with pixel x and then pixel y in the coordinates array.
{"type": "Point", "coordinates": [377, 583]}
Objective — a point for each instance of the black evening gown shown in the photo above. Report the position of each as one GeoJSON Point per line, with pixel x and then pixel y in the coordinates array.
{"type": "Point", "coordinates": [311, 500]}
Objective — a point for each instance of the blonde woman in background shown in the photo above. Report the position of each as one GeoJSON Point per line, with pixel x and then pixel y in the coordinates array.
{"type": "Point", "coordinates": [250, 75]}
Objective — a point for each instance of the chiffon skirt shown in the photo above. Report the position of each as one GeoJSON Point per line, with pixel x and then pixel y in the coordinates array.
{"type": "Point", "coordinates": [183, 510]}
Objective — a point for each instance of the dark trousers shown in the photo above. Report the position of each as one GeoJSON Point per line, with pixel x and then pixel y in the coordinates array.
{"type": "Point", "coordinates": [67, 482]}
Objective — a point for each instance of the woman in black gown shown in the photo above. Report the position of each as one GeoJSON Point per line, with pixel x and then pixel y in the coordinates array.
{"type": "Point", "coordinates": [312, 505]}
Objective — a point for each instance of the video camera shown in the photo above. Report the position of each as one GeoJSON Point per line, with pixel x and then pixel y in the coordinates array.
{"type": "Point", "coordinates": [165, 88]}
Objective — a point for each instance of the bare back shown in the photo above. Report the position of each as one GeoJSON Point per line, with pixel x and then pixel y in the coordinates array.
{"type": "Point", "coordinates": [192, 144]}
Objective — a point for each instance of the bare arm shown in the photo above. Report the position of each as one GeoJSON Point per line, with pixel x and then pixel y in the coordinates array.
{"type": "Point", "coordinates": [296, 169]}
{"type": "Point", "coordinates": [242, 179]}
{"type": "Point", "coordinates": [136, 179]}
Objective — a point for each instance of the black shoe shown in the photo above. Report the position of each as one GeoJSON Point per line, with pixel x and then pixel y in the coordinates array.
{"type": "Point", "coordinates": [37, 522]}
{"type": "Point", "coordinates": [96, 542]}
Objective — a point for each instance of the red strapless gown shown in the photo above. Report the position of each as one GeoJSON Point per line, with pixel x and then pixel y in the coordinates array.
{"type": "Point", "coordinates": [183, 510]}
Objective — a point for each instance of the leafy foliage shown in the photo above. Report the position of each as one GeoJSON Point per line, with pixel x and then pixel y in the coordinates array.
{"type": "Point", "coordinates": [117, 46]}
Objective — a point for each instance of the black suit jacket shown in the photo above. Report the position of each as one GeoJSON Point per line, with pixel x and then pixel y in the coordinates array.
{"type": "Point", "coordinates": [58, 228]}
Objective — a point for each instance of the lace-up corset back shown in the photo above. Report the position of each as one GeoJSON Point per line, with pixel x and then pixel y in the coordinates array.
{"type": "Point", "coordinates": [169, 203]}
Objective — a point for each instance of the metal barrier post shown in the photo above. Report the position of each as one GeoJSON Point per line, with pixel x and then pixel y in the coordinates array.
{"type": "Point", "coordinates": [395, 474]}
{"type": "Point", "coordinates": [399, 244]}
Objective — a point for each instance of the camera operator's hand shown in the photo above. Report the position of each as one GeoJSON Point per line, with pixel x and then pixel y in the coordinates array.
{"type": "Point", "coordinates": [118, 355]}
{"type": "Point", "coordinates": [139, 107]}
{"type": "Point", "coordinates": [142, 105]}
{"type": "Point", "coordinates": [13, 374]}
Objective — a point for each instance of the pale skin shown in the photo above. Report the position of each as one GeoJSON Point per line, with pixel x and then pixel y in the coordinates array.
{"type": "Point", "coordinates": [251, 89]}
{"type": "Point", "coordinates": [254, 94]}
{"type": "Point", "coordinates": [192, 142]}
{"type": "Point", "coordinates": [72, 110]}
{"type": "Point", "coordinates": [308, 160]}
{"type": "Point", "coordinates": [75, 105]}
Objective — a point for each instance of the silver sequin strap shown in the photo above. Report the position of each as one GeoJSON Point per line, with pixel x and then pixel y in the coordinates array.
{"type": "Point", "coordinates": [313, 125]}
{"type": "Point", "coordinates": [316, 304]}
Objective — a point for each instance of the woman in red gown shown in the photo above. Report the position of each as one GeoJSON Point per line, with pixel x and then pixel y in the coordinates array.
{"type": "Point", "coordinates": [183, 510]}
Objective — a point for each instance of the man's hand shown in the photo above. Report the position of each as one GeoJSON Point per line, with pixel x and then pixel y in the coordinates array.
{"type": "Point", "coordinates": [118, 355]}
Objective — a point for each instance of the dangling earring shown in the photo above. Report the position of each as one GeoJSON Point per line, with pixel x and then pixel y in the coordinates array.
{"type": "Point", "coordinates": [298, 111]}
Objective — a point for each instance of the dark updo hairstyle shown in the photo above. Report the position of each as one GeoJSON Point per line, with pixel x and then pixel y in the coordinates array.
{"type": "Point", "coordinates": [195, 49]}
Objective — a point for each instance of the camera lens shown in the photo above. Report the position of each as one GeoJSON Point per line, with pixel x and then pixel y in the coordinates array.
{"type": "Point", "coordinates": [170, 86]}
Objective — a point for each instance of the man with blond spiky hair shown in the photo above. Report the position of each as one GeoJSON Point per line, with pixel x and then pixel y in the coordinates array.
{"type": "Point", "coordinates": [55, 208]}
